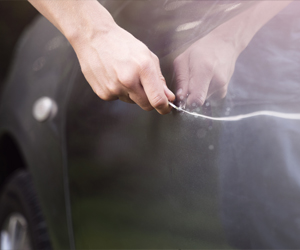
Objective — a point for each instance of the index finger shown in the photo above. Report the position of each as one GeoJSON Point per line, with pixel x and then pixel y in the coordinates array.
{"type": "Point", "coordinates": [154, 88]}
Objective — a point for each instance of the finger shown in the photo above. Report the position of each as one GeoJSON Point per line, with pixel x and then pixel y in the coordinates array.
{"type": "Point", "coordinates": [100, 88]}
{"type": "Point", "coordinates": [134, 93]}
{"type": "Point", "coordinates": [103, 92]}
{"type": "Point", "coordinates": [181, 71]}
{"type": "Point", "coordinates": [154, 88]}
{"type": "Point", "coordinates": [200, 78]}
{"type": "Point", "coordinates": [170, 95]}
{"type": "Point", "coordinates": [218, 87]}
{"type": "Point", "coordinates": [126, 99]}
{"type": "Point", "coordinates": [139, 96]}
{"type": "Point", "coordinates": [218, 95]}
{"type": "Point", "coordinates": [132, 89]}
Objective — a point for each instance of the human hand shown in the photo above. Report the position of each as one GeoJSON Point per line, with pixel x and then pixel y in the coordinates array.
{"type": "Point", "coordinates": [115, 64]}
{"type": "Point", "coordinates": [204, 70]}
{"type": "Point", "coordinates": [118, 66]}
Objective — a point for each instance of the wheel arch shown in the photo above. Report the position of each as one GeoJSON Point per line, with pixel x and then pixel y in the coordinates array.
{"type": "Point", "coordinates": [11, 157]}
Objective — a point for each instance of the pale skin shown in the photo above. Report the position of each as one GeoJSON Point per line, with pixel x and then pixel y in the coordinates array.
{"type": "Point", "coordinates": [119, 66]}
{"type": "Point", "coordinates": [204, 70]}
{"type": "Point", "coordinates": [115, 64]}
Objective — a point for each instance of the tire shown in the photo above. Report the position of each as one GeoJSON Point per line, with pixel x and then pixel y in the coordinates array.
{"type": "Point", "coordinates": [22, 224]}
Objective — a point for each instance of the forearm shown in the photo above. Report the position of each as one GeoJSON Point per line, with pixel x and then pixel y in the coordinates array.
{"type": "Point", "coordinates": [76, 19]}
{"type": "Point", "coordinates": [241, 29]}
{"type": "Point", "coordinates": [115, 63]}
{"type": "Point", "coordinates": [205, 68]}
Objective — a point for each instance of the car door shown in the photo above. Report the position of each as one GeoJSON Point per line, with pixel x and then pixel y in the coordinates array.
{"type": "Point", "coordinates": [138, 179]}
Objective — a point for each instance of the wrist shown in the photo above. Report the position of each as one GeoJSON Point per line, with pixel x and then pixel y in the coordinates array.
{"type": "Point", "coordinates": [240, 30]}
{"type": "Point", "coordinates": [236, 33]}
{"type": "Point", "coordinates": [90, 19]}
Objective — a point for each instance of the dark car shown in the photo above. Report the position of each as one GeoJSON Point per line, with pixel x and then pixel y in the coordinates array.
{"type": "Point", "coordinates": [79, 172]}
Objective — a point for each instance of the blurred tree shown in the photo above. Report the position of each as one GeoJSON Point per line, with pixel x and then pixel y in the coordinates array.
{"type": "Point", "coordinates": [14, 16]}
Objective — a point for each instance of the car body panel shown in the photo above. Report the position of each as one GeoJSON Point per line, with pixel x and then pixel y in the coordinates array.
{"type": "Point", "coordinates": [37, 72]}
{"type": "Point", "coordinates": [138, 179]}
{"type": "Point", "coordinates": [117, 176]}
{"type": "Point", "coordinates": [143, 181]}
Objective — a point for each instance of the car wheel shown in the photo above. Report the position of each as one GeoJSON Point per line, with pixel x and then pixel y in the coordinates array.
{"type": "Point", "coordinates": [21, 222]}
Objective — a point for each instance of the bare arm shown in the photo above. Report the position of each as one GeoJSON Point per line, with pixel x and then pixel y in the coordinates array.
{"type": "Point", "coordinates": [116, 64]}
{"type": "Point", "coordinates": [205, 68]}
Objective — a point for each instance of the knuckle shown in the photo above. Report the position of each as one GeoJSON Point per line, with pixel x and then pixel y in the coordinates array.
{"type": "Point", "coordinates": [163, 80]}
{"type": "Point", "coordinates": [142, 47]}
{"type": "Point", "coordinates": [201, 98]}
{"type": "Point", "coordinates": [114, 89]}
{"type": "Point", "coordinates": [109, 97]}
{"type": "Point", "coordinates": [127, 78]}
{"type": "Point", "coordinates": [222, 81]}
{"type": "Point", "coordinates": [104, 95]}
{"type": "Point", "coordinates": [155, 58]}
{"type": "Point", "coordinates": [84, 68]}
{"type": "Point", "coordinates": [145, 64]}
{"type": "Point", "coordinates": [158, 102]}
{"type": "Point", "coordinates": [182, 78]}
{"type": "Point", "coordinates": [208, 68]}
{"type": "Point", "coordinates": [177, 62]}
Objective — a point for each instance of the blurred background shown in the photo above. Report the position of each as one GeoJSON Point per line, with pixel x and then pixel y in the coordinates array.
{"type": "Point", "coordinates": [14, 17]}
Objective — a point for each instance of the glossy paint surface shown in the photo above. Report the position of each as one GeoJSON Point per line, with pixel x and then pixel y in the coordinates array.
{"type": "Point", "coordinates": [138, 179]}
{"type": "Point", "coordinates": [112, 176]}
{"type": "Point", "coordinates": [37, 72]}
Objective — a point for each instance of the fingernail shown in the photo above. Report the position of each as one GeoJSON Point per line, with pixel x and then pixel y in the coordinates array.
{"type": "Point", "coordinates": [170, 95]}
{"type": "Point", "coordinates": [179, 91]}
{"type": "Point", "coordinates": [170, 92]}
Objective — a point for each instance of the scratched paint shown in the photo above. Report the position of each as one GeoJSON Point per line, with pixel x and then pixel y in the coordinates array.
{"type": "Point", "coordinates": [291, 116]}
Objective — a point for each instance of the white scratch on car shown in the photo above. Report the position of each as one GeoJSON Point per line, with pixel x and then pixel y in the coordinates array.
{"type": "Point", "coordinates": [291, 116]}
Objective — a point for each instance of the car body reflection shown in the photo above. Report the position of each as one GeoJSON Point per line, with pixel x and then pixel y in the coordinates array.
{"type": "Point", "coordinates": [111, 176]}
